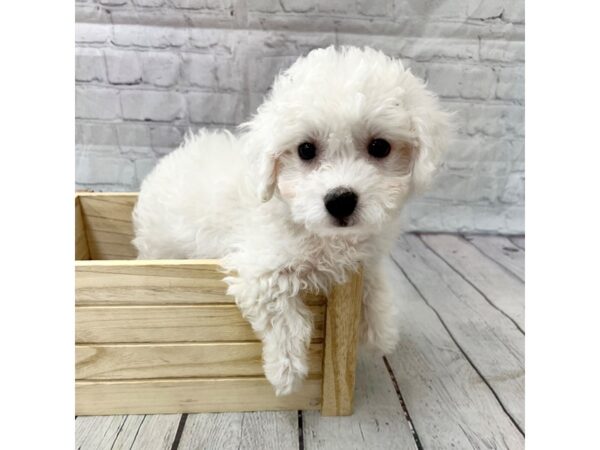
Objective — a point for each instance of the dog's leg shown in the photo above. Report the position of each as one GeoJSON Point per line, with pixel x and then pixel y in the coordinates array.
{"type": "Point", "coordinates": [282, 321]}
{"type": "Point", "coordinates": [379, 326]}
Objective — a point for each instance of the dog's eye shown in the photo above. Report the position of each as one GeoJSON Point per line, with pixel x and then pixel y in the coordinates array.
{"type": "Point", "coordinates": [379, 148]}
{"type": "Point", "coordinates": [307, 151]}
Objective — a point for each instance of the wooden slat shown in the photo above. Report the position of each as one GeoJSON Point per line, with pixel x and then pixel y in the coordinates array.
{"type": "Point", "coordinates": [131, 361]}
{"type": "Point", "coordinates": [248, 431]}
{"type": "Point", "coordinates": [494, 345]}
{"type": "Point", "coordinates": [194, 323]}
{"type": "Point", "coordinates": [503, 251]}
{"type": "Point", "coordinates": [378, 421]}
{"type": "Point", "coordinates": [448, 402]}
{"type": "Point", "coordinates": [502, 289]}
{"type": "Point", "coordinates": [107, 219]}
{"type": "Point", "coordinates": [150, 282]}
{"type": "Point", "coordinates": [190, 395]}
{"type": "Point", "coordinates": [156, 432]}
{"type": "Point", "coordinates": [519, 241]}
{"type": "Point", "coordinates": [135, 432]}
{"type": "Point", "coordinates": [82, 250]}
{"type": "Point", "coordinates": [341, 342]}
{"type": "Point", "coordinates": [94, 433]}
{"type": "Point", "coordinates": [155, 282]}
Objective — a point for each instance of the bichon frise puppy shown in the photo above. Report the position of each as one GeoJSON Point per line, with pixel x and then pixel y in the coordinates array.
{"type": "Point", "coordinates": [310, 190]}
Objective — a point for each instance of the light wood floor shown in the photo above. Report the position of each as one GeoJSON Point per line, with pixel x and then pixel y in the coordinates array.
{"type": "Point", "coordinates": [456, 380]}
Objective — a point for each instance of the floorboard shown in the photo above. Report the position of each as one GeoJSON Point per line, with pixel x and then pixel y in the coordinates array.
{"type": "Point", "coordinates": [490, 340]}
{"type": "Point", "coordinates": [249, 431]}
{"type": "Point", "coordinates": [151, 432]}
{"type": "Point", "coordinates": [449, 403]}
{"type": "Point", "coordinates": [378, 421]}
{"type": "Point", "coordinates": [501, 288]}
{"type": "Point", "coordinates": [501, 250]}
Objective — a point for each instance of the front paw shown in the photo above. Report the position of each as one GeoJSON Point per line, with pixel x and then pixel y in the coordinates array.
{"type": "Point", "coordinates": [286, 373]}
{"type": "Point", "coordinates": [384, 338]}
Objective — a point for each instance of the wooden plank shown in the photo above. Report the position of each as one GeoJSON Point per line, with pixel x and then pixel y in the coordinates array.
{"type": "Point", "coordinates": [155, 282]}
{"type": "Point", "coordinates": [139, 361]}
{"type": "Point", "coordinates": [82, 250]}
{"type": "Point", "coordinates": [107, 219]}
{"type": "Point", "coordinates": [502, 289]}
{"type": "Point", "coordinates": [152, 432]}
{"type": "Point", "coordinates": [448, 402]}
{"type": "Point", "coordinates": [341, 342]}
{"type": "Point", "coordinates": [156, 432]}
{"type": "Point", "coordinates": [97, 433]}
{"type": "Point", "coordinates": [147, 283]}
{"type": "Point", "coordinates": [491, 341]}
{"type": "Point", "coordinates": [378, 421]}
{"type": "Point", "coordinates": [180, 323]}
{"type": "Point", "coordinates": [503, 251]}
{"type": "Point", "coordinates": [519, 241]}
{"type": "Point", "coordinates": [190, 395]}
{"type": "Point", "coordinates": [249, 431]}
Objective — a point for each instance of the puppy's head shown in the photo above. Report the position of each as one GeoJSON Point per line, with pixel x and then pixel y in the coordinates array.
{"type": "Point", "coordinates": [343, 138]}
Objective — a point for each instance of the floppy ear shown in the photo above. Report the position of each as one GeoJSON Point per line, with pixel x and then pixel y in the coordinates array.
{"type": "Point", "coordinates": [261, 152]}
{"type": "Point", "coordinates": [433, 129]}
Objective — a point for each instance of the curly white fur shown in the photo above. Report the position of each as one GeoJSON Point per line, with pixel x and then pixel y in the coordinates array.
{"type": "Point", "coordinates": [251, 201]}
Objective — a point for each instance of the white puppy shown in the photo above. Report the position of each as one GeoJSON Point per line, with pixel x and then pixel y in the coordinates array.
{"type": "Point", "coordinates": [309, 191]}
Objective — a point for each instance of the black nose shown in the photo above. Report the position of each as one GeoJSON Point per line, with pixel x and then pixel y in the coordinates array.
{"type": "Point", "coordinates": [341, 202]}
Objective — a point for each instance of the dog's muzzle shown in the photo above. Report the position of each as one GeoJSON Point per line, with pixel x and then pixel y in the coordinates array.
{"type": "Point", "coordinates": [341, 203]}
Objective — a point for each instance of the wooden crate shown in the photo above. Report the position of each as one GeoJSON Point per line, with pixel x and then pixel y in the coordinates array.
{"type": "Point", "coordinates": [161, 336]}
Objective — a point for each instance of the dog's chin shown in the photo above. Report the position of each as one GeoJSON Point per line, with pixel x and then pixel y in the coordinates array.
{"type": "Point", "coordinates": [351, 229]}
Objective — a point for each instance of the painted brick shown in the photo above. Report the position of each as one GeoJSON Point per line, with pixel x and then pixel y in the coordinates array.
{"type": "Point", "coordinates": [92, 168]}
{"type": "Point", "coordinates": [134, 139]}
{"type": "Point", "coordinates": [91, 33]}
{"type": "Point", "coordinates": [148, 3]}
{"type": "Point", "coordinates": [123, 67]}
{"type": "Point", "coordinates": [89, 65]}
{"type": "Point", "coordinates": [212, 108]}
{"type": "Point", "coordinates": [267, 6]}
{"type": "Point", "coordinates": [142, 36]}
{"type": "Point", "coordinates": [96, 103]}
{"type": "Point", "coordinates": [298, 6]}
{"type": "Point", "coordinates": [373, 8]}
{"type": "Point", "coordinates": [160, 69]}
{"type": "Point", "coordinates": [152, 105]}
{"type": "Point", "coordinates": [511, 83]}
{"type": "Point", "coordinates": [101, 134]}
{"type": "Point", "coordinates": [200, 70]}
{"type": "Point", "coordinates": [188, 4]}
{"type": "Point", "coordinates": [165, 138]}
{"type": "Point", "coordinates": [502, 50]}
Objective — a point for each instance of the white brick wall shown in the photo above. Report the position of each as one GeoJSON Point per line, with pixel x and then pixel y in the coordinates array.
{"type": "Point", "coordinates": [147, 70]}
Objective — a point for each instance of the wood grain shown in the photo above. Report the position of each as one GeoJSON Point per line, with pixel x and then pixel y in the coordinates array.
{"type": "Point", "coordinates": [189, 323]}
{"type": "Point", "coordinates": [492, 342]}
{"type": "Point", "coordinates": [131, 361]}
{"type": "Point", "coordinates": [94, 433]}
{"type": "Point", "coordinates": [519, 241]}
{"type": "Point", "coordinates": [141, 432]}
{"type": "Point", "coordinates": [147, 283]}
{"type": "Point", "coordinates": [341, 342]}
{"type": "Point", "coordinates": [503, 251]}
{"type": "Point", "coordinates": [82, 250]}
{"type": "Point", "coordinates": [107, 219]}
{"type": "Point", "coordinates": [378, 421]}
{"type": "Point", "coordinates": [449, 403]}
{"type": "Point", "coordinates": [190, 395]}
{"type": "Point", "coordinates": [155, 282]}
{"type": "Point", "coordinates": [502, 289]}
{"type": "Point", "coordinates": [247, 431]}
